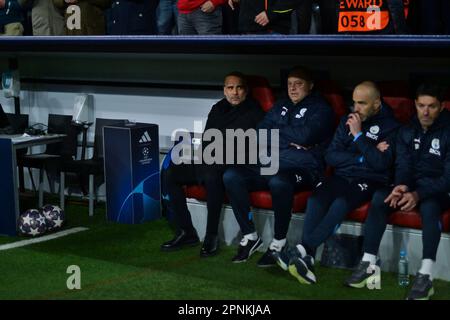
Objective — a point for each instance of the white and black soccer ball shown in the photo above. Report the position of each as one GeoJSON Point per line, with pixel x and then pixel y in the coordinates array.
{"type": "Point", "coordinates": [54, 216]}
{"type": "Point", "coordinates": [32, 223]}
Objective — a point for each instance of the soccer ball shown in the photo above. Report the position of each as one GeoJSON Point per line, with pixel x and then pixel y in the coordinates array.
{"type": "Point", "coordinates": [32, 223]}
{"type": "Point", "coordinates": [54, 216]}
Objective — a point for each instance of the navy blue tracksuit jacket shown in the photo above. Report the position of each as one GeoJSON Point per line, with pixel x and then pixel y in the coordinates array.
{"type": "Point", "coordinates": [423, 158]}
{"type": "Point", "coordinates": [361, 158]}
{"type": "Point", "coordinates": [308, 123]}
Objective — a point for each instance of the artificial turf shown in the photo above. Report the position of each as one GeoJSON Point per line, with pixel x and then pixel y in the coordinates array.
{"type": "Point", "coordinates": [124, 262]}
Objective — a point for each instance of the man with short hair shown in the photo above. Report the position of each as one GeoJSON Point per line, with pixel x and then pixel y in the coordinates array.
{"type": "Point", "coordinates": [422, 181]}
{"type": "Point", "coordinates": [236, 111]}
{"type": "Point", "coordinates": [361, 156]}
{"type": "Point", "coordinates": [304, 122]}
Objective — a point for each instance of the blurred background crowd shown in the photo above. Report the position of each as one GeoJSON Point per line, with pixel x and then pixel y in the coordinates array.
{"type": "Point", "coordinates": [212, 17]}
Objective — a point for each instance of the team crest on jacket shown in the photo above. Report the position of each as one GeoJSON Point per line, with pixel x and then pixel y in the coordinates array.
{"type": "Point", "coordinates": [301, 113]}
{"type": "Point", "coordinates": [435, 146]}
{"type": "Point", "coordinates": [373, 131]}
{"type": "Point", "coordinates": [417, 144]}
{"type": "Point", "coordinates": [284, 110]}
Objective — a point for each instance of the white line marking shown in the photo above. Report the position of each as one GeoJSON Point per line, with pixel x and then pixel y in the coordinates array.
{"type": "Point", "coordinates": [23, 243]}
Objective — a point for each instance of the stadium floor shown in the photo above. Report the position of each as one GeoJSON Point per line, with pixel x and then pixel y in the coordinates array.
{"type": "Point", "coordinates": [124, 262]}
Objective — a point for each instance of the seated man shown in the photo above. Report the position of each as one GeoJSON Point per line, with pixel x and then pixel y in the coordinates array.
{"type": "Point", "coordinates": [362, 156]}
{"type": "Point", "coordinates": [422, 181]}
{"type": "Point", "coordinates": [305, 125]}
{"type": "Point", "coordinates": [235, 111]}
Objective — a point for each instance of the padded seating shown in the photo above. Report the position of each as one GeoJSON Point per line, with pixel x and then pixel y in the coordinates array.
{"type": "Point", "coordinates": [403, 108]}
{"type": "Point", "coordinates": [397, 95]}
{"type": "Point", "coordinates": [332, 93]}
{"type": "Point", "coordinates": [446, 102]}
{"type": "Point", "coordinates": [261, 91]}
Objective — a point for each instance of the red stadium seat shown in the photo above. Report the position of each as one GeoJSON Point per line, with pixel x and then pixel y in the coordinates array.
{"type": "Point", "coordinates": [412, 219]}
{"type": "Point", "coordinates": [196, 191]}
{"type": "Point", "coordinates": [446, 102]}
{"type": "Point", "coordinates": [263, 200]}
{"type": "Point", "coordinates": [359, 214]}
{"type": "Point", "coordinates": [397, 95]}
{"type": "Point", "coordinates": [331, 92]}
{"type": "Point", "coordinates": [261, 91]}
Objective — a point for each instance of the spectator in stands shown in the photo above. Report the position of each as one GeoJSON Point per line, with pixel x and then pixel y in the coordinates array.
{"type": "Point", "coordinates": [132, 17]}
{"type": "Point", "coordinates": [305, 124]}
{"type": "Point", "coordinates": [201, 17]}
{"type": "Point", "coordinates": [166, 17]}
{"type": "Point", "coordinates": [422, 181]}
{"type": "Point", "coordinates": [92, 16]}
{"type": "Point", "coordinates": [46, 19]}
{"type": "Point", "coordinates": [265, 16]}
{"type": "Point", "coordinates": [11, 18]}
{"type": "Point", "coordinates": [358, 17]}
{"type": "Point", "coordinates": [362, 156]}
{"type": "Point", "coordinates": [236, 111]}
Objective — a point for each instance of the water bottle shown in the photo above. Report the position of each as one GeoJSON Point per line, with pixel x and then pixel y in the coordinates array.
{"type": "Point", "coordinates": [403, 275]}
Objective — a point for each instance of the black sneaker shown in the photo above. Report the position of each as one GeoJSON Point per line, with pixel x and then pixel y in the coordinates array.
{"type": "Point", "coordinates": [362, 276]}
{"type": "Point", "coordinates": [286, 256]}
{"type": "Point", "coordinates": [269, 259]}
{"type": "Point", "coordinates": [303, 269]}
{"type": "Point", "coordinates": [246, 249]}
{"type": "Point", "coordinates": [422, 288]}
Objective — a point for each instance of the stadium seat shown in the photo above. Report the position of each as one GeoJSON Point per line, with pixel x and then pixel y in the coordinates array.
{"type": "Point", "coordinates": [397, 95]}
{"type": "Point", "coordinates": [332, 93]}
{"type": "Point", "coordinates": [261, 91]}
{"type": "Point", "coordinates": [446, 102]}
{"type": "Point", "coordinates": [412, 219]}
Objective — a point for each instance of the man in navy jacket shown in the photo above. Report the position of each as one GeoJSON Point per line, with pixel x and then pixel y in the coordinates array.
{"type": "Point", "coordinates": [305, 125]}
{"type": "Point", "coordinates": [362, 155]}
{"type": "Point", "coordinates": [422, 181]}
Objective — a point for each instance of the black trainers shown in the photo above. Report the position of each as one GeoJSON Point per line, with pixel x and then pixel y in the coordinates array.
{"type": "Point", "coordinates": [303, 269]}
{"type": "Point", "coordinates": [422, 288]}
{"type": "Point", "coordinates": [269, 259]}
{"type": "Point", "coordinates": [362, 276]}
{"type": "Point", "coordinates": [286, 256]}
{"type": "Point", "coordinates": [246, 249]}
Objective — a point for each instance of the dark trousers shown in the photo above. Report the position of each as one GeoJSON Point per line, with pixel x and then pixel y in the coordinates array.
{"type": "Point", "coordinates": [430, 211]}
{"type": "Point", "coordinates": [328, 206]}
{"type": "Point", "coordinates": [329, 15]}
{"type": "Point", "coordinates": [239, 182]}
{"type": "Point", "coordinates": [175, 177]}
{"type": "Point", "coordinates": [434, 16]}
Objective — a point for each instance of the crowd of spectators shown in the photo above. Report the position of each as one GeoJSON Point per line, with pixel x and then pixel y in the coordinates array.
{"type": "Point", "coordinates": [207, 17]}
